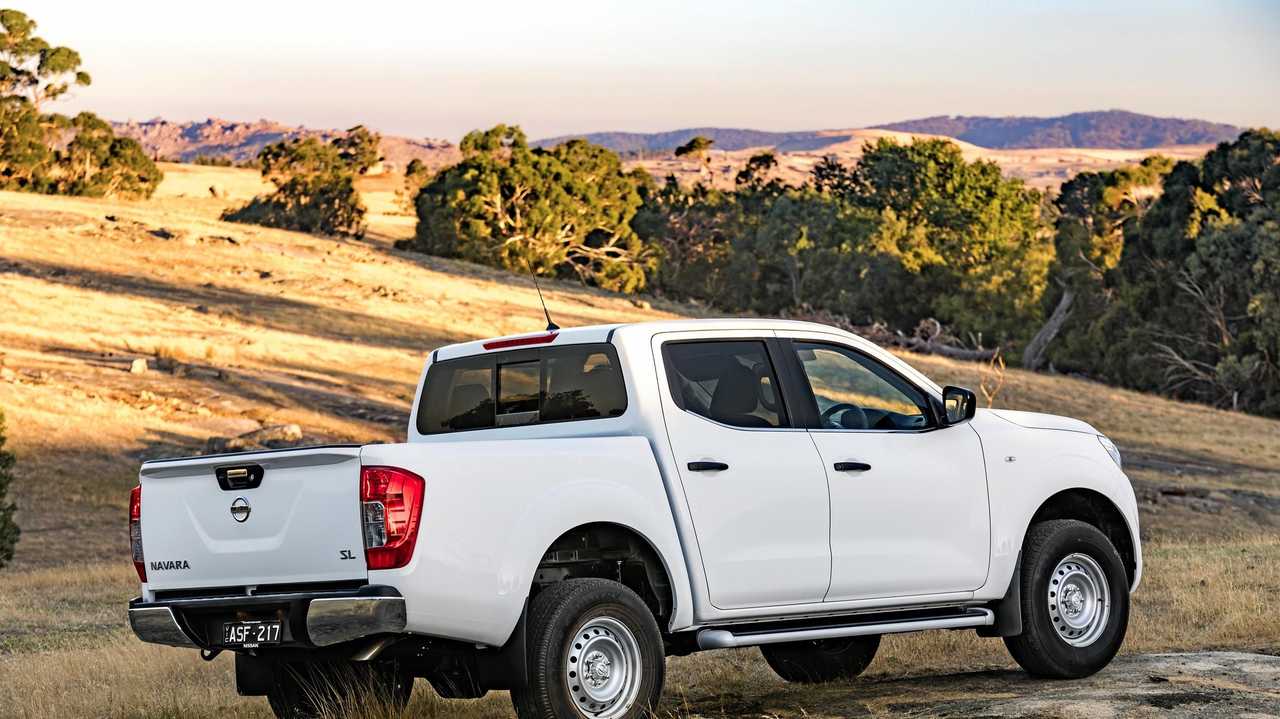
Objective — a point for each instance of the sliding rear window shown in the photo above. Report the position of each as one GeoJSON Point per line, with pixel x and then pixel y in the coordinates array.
{"type": "Point", "coordinates": [526, 386]}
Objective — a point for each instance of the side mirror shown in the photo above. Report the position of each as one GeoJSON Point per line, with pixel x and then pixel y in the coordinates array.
{"type": "Point", "coordinates": [958, 405]}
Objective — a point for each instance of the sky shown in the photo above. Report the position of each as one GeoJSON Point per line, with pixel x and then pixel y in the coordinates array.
{"type": "Point", "coordinates": [431, 69]}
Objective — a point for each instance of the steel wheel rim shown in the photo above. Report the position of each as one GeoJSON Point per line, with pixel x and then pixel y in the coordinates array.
{"type": "Point", "coordinates": [603, 668]}
{"type": "Point", "coordinates": [1079, 600]}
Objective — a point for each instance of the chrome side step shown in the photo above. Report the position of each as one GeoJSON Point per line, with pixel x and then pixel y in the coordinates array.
{"type": "Point", "coordinates": [726, 639]}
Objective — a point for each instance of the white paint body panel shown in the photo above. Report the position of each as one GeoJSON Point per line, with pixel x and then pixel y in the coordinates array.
{"type": "Point", "coordinates": [778, 535]}
{"type": "Point", "coordinates": [305, 513]}
{"type": "Point", "coordinates": [767, 515]}
{"type": "Point", "coordinates": [491, 510]}
{"type": "Point", "coordinates": [916, 522]}
{"type": "Point", "coordinates": [1045, 462]}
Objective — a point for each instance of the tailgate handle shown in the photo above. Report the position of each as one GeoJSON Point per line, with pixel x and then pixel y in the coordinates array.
{"type": "Point", "coordinates": [244, 476]}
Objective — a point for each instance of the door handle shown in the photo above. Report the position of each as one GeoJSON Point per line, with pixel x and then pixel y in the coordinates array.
{"type": "Point", "coordinates": [852, 466]}
{"type": "Point", "coordinates": [707, 466]}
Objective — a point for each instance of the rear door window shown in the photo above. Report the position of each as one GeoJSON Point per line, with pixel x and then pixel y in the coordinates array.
{"type": "Point", "coordinates": [730, 382]}
{"type": "Point", "coordinates": [527, 386]}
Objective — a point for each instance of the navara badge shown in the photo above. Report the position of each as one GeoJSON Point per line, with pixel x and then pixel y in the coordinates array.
{"type": "Point", "coordinates": [240, 509]}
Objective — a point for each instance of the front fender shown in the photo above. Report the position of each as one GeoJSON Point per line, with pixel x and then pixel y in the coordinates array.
{"type": "Point", "coordinates": [1025, 467]}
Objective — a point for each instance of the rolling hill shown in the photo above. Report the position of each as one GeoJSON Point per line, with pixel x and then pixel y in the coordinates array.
{"type": "Point", "coordinates": [1113, 129]}
{"type": "Point", "coordinates": [240, 141]}
{"type": "Point", "coordinates": [1116, 129]}
{"type": "Point", "coordinates": [725, 138]}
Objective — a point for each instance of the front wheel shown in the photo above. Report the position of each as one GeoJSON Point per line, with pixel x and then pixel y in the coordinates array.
{"type": "Point", "coordinates": [824, 660]}
{"type": "Point", "coordinates": [1075, 601]}
{"type": "Point", "coordinates": [595, 652]}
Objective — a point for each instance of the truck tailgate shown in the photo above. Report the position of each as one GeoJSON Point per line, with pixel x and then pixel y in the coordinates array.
{"type": "Point", "coordinates": [272, 517]}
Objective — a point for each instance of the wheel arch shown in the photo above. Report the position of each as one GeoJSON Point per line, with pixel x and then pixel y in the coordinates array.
{"type": "Point", "coordinates": [1098, 510]}
{"type": "Point", "coordinates": [610, 550]}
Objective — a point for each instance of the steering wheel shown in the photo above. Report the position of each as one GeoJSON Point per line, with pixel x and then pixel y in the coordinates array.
{"type": "Point", "coordinates": [839, 407]}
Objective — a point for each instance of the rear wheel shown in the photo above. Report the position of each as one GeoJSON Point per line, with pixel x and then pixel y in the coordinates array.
{"type": "Point", "coordinates": [303, 690]}
{"type": "Point", "coordinates": [1075, 601]}
{"type": "Point", "coordinates": [824, 660]}
{"type": "Point", "coordinates": [595, 652]}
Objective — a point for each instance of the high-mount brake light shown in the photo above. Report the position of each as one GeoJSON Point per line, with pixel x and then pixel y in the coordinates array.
{"type": "Point", "coordinates": [135, 532]}
{"type": "Point", "coordinates": [390, 510]}
{"type": "Point", "coordinates": [522, 341]}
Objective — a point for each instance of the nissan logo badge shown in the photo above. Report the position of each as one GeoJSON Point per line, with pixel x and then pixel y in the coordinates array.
{"type": "Point", "coordinates": [240, 509]}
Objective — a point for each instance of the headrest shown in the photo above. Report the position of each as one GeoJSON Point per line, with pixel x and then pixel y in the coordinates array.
{"type": "Point", "coordinates": [737, 391]}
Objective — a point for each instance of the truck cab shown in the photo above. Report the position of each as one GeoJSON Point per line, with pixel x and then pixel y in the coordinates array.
{"type": "Point", "coordinates": [571, 506]}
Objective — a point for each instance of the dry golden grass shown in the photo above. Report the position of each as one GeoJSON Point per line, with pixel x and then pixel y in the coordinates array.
{"type": "Point", "coordinates": [1195, 596]}
{"type": "Point", "coordinates": [246, 326]}
{"type": "Point", "coordinates": [256, 326]}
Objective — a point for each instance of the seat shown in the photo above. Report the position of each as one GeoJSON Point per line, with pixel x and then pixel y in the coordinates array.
{"type": "Point", "coordinates": [736, 396]}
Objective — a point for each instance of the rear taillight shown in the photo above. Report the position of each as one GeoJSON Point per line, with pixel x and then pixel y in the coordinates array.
{"type": "Point", "coordinates": [390, 507]}
{"type": "Point", "coordinates": [135, 532]}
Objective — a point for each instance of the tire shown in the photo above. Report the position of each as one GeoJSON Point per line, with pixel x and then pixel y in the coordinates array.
{"type": "Point", "coordinates": [580, 631]}
{"type": "Point", "coordinates": [305, 690]}
{"type": "Point", "coordinates": [1075, 601]}
{"type": "Point", "coordinates": [824, 660]}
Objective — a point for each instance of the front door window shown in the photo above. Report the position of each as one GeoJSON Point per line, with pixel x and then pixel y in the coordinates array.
{"type": "Point", "coordinates": [855, 392]}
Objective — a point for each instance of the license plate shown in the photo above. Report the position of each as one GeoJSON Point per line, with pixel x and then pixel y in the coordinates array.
{"type": "Point", "coordinates": [251, 634]}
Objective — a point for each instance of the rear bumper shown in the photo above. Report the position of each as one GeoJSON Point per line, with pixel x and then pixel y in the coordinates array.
{"type": "Point", "coordinates": [158, 625]}
{"type": "Point", "coordinates": [311, 619]}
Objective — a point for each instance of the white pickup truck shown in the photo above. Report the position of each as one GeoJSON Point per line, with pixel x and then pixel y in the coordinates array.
{"type": "Point", "coordinates": [572, 506]}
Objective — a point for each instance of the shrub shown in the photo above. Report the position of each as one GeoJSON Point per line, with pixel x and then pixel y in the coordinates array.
{"type": "Point", "coordinates": [96, 163]}
{"type": "Point", "coordinates": [1190, 307]}
{"type": "Point", "coordinates": [8, 527]}
{"type": "Point", "coordinates": [315, 185]}
{"type": "Point", "coordinates": [564, 211]}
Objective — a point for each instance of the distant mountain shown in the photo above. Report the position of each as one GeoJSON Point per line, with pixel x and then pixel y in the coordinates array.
{"type": "Point", "coordinates": [1106, 129]}
{"type": "Point", "coordinates": [239, 141]}
{"type": "Point", "coordinates": [1114, 129]}
{"type": "Point", "coordinates": [638, 143]}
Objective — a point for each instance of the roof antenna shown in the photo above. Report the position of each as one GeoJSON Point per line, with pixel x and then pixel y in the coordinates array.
{"type": "Point", "coordinates": [551, 326]}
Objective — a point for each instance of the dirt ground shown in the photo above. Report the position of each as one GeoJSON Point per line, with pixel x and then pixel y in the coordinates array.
{"type": "Point", "coordinates": [1202, 684]}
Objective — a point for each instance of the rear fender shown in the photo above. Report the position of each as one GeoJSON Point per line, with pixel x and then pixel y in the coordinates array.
{"type": "Point", "coordinates": [492, 509]}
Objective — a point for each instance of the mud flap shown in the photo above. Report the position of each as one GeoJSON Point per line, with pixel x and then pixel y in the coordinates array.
{"type": "Point", "coordinates": [473, 673]}
{"type": "Point", "coordinates": [1009, 610]}
{"type": "Point", "coordinates": [511, 664]}
{"type": "Point", "coordinates": [253, 675]}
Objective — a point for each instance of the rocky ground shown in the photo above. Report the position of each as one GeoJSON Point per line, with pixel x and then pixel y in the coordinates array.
{"type": "Point", "coordinates": [1205, 684]}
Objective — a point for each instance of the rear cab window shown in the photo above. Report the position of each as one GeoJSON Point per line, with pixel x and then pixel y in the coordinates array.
{"type": "Point", "coordinates": [520, 387]}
